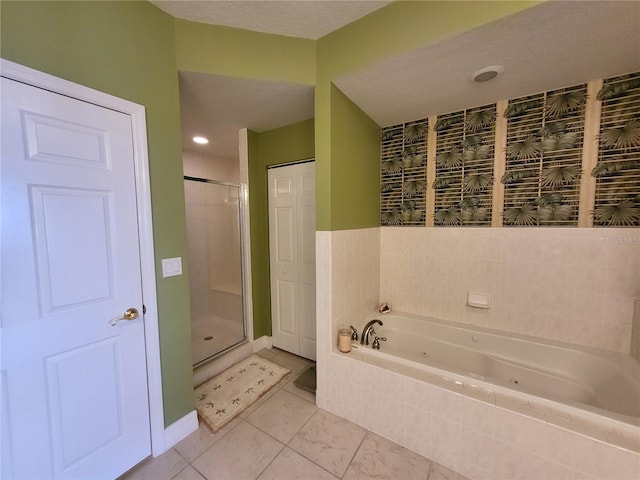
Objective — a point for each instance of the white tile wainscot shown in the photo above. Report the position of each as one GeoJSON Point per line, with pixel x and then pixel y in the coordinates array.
{"type": "Point", "coordinates": [575, 285]}
{"type": "Point", "coordinates": [479, 435]}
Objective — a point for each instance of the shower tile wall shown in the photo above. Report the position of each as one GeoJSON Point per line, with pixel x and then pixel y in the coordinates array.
{"type": "Point", "coordinates": [575, 285]}
{"type": "Point", "coordinates": [218, 295]}
{"type": "Point", "coordinates": [477, 439]}
{"type": "Point", "coordinates": [202, 165]}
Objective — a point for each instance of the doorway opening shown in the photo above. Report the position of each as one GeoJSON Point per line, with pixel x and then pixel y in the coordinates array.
{"type": "Point", "coordinates": [231, 112]}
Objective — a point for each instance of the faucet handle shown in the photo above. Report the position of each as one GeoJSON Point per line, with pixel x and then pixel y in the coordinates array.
{"type": "Point", "coordinates": [376, 342]}
{"type": "Point", "coordinates": [354, 333]}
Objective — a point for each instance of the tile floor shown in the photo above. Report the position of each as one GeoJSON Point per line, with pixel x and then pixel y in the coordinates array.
{"type": "Point", "coordinates": [285, 436]}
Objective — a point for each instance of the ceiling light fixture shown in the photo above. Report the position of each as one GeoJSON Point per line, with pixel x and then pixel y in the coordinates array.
{"type": "Point", "coordinates": [201, 140]}
{"type": "Point", "coordinates": [487, 73]}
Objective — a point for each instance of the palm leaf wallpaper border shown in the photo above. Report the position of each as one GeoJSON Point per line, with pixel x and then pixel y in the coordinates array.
{"type": "Point", "coordinates": [465, 145]}
{"type": "Point", "coordinates": [544, 155]}
{"type": "Point", "coordinates": [544, 166]}
{"type": "Point", "coordinates": [617, 173]}
{"type": "Point", "coordinates": [403, 174]}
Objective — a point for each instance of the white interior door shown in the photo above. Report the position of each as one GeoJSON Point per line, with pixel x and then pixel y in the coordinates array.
{"type": "Point", "coordinates": [74, 386]}
{"type": "Point", "coordinates": [292, 228]}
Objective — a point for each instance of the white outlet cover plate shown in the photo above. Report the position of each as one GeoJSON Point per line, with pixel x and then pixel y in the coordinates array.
{"type": "Point", "coordinates": [171, 266]}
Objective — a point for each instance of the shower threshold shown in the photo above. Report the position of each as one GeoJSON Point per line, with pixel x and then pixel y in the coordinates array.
{"type": "Point", "coordinates": [212, 366]}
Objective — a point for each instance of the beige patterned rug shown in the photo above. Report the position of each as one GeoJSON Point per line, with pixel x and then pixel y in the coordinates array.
{"type": "Point", "coordinates": [220, 399]}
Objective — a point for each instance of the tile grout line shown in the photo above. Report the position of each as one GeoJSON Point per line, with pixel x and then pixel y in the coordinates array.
{"type": "Point", "coordinates": [210, 446]}
{"type": "Point", "coordinates": [187, 466]}
{"type": "Point", "coordinates": [285, 445]}
{"type": "Point", "coordinates": [355, 453]}
{"type": "Point", "coordinates": [273, 459]}
{"type": "Point", "coordinates": [302, 454]}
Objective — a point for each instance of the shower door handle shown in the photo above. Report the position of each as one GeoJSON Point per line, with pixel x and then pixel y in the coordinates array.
{"type": "Point", "coordinates": [129, 314]}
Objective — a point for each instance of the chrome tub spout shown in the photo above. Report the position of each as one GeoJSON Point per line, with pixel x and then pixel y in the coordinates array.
{"type": "Point", "coordinates": [368, 329]}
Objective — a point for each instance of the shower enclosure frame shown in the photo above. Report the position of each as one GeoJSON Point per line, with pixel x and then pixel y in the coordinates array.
{"type": "Point", "coordinates": [245, 263]}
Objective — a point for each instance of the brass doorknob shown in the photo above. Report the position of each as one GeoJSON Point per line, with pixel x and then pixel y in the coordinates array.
{"type": "Point", "coordinates": [129, 314]}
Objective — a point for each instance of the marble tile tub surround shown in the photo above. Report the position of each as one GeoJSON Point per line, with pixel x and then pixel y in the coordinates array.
{"type": "Point", "coordinates": [492, 442]}
{"type": "Point", "coordinates": [577, 285]}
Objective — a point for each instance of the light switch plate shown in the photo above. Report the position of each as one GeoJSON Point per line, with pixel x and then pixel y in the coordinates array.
{"type": "Point", "coordinates": [171, 266]}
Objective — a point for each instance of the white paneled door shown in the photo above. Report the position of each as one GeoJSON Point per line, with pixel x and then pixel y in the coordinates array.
{"type": "Point", "coordinates": [74, 384]}
{"type": "Point", "coordinates": [292, 229]}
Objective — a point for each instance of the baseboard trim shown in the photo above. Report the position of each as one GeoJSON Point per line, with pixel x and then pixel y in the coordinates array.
{"type": "Point", "coordinates": [262, 342]}
{"type": "Point", "coordinates": [179, 430]}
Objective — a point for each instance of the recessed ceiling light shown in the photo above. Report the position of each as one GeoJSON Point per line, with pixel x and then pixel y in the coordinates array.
{"type": "Point", "coordinates": [201, 140]}
{"type": "Point", "coordinates": [487, 73]}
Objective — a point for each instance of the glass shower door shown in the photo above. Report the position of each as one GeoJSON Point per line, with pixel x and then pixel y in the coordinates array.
{"type": "Point", "coordinates": [215, 267]}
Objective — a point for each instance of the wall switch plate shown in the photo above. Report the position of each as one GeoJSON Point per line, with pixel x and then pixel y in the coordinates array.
{"type": "Point", "coordinates": [478, 300]}
{"type": "Point", "coordinates": [171, 266]}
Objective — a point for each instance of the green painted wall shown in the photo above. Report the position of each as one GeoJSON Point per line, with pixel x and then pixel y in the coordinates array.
{"type": "Point", "coordinates": [125, 49]}
{"type": "Point", "coordinates": [240, 53]}
{"type": "Point", "coordinates": [286, 144]}
{"type": "Point", "coordinates": [355, 165]}
{"type": "Point", "coordinates": [392, 30]}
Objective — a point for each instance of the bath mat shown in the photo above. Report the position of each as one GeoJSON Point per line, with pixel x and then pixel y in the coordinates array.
{"type": "Point", "coordinates": [220, 399]}
{"type": "Point", "coordinates": [307, 380]}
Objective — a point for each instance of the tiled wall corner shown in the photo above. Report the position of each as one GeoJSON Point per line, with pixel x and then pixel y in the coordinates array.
{"type": "Point", "coordinates": [355, 277]}
{"type": "Point", "coordinates": [575, 285]}
{"type": "Point", "coordinates": [347, 292]}
{"type": "Point", "coordinates": [323, 312]}
{"type": "Point", "coordinates": [635, 332]}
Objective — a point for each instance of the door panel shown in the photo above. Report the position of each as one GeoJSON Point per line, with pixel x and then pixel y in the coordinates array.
{"type": "Point", "coordinates": [74, 398]}
{"type": "Point", "coordinates": [84, 420]}
{"type": "Point", "coordinates": [292, 247]}
{"type": "Point", "coordinates": [286, 310]}
{"type": "Point", "coordinates": [59, 141]}
{"type": "Point", "coordinates": [58, 215]}
{"type": "Point", "coordinates": [285, 236]}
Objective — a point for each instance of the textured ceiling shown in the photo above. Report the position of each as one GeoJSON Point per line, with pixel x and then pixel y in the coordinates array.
{"type": "Point", "coordinates": [217, 107]}
{"type": "Point", "coordinates": [301, 18]}
{"type": "Point", "coordinates": [548, 46]}
{"type": "Point", "coordinates": [553, 45]}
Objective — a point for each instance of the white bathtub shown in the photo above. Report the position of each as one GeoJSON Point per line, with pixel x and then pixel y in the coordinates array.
{"type": "Point", "coordinates": [600, 383]}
